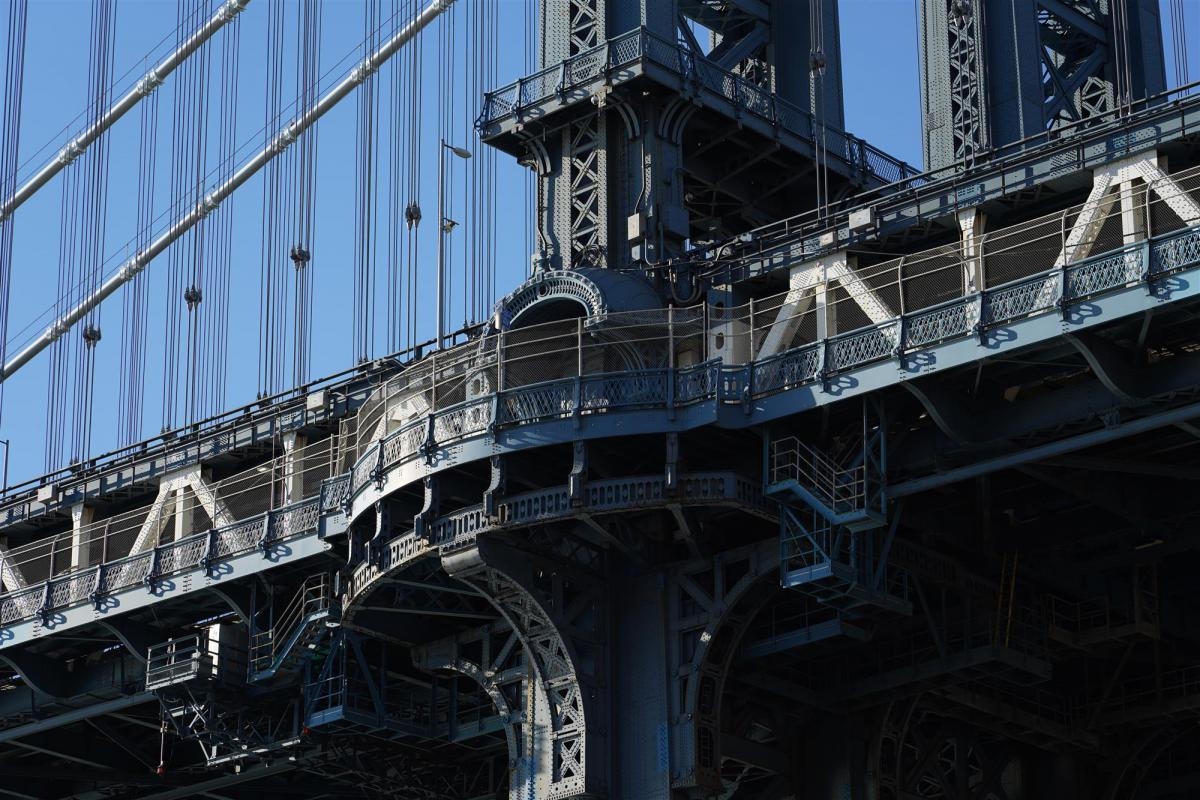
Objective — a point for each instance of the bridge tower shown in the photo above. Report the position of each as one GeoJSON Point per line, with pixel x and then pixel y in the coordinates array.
{"type": "Point", "coordinates": [653, 123]}
{"type": "Point", "coordinates": [997, 72]}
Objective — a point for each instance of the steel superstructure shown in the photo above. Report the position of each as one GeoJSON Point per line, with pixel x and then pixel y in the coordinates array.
{"type": "Point", "coordinates": [790, 472]}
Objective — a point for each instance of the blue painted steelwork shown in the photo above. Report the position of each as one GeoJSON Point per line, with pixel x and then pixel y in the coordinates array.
{"type": "Point", "coordinates": [348, 694]}
{"type": "Point", "coordinates": [938, 195]}
{"type": "Point", "coordinates": [1040, 308]}
{"type": "Point", "coordinates": [300, 627]}
{"type": "Point", "coordinates": [641, 52]}
{"type": "Point", "coordinates": [461, 529]}
{"type": "Point", "coordinates": [286, 535]}
{"type": "Point", "coordinates": [226, 434]}
{"type": "Point", "coordinates": [838, 567]}
{"type": "Point", "coordinates": [997, 72]}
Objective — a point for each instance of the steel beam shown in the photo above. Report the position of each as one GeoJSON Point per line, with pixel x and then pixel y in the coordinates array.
{"type": "Point", "coordinates": [75, 715]}
{"type": "Point", "coordinates": [1046, 451]}
{"type": "Point", "coordinates": [33, 748]}
{"type": "Point", "coordinates": [233, 779]}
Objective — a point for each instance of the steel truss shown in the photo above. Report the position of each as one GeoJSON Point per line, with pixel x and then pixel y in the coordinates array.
{"type": "Point", "coordinates": [575, 559]}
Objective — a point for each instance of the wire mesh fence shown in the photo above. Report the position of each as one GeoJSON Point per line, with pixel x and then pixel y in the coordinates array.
{"type": "Point", "coordinates": [855, 307]}
{"type": "Point", "coordinates": [176, 514]}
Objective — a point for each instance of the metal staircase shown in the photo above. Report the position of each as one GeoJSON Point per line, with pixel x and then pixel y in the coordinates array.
{"type": "Point", "coordinates": [834, 546]}
{"type": "Point", "coordinates": [297, 632]}
{"type": "Point", "coordinates": [838, 567]}
{"type": "Point", "coordinates": [843, 495]}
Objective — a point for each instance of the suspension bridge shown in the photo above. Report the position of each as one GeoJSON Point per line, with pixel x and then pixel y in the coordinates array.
{"type": "Point", "coordinates": [780, 468]}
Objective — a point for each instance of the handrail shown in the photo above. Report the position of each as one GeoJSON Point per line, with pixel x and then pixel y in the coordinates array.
{"type": "Point", "coordinates": [313, 597]}
{"type": "Point", "coordinates": [837, 486]}
{"type": "Point", "coordinates": [614, 53]}
{"type": "Point", "coordinates": [179, 659]}
{"type": "Point", "coordinates": [250, 534]}
{"type": "Point", "coordinates": [1003, 304]}
{"type": "Point", "coordinates": [198, 551]}
{"type": "Point", "coordinates": [906, 191]}
{"type": "Point", "coordinates": [283, 402]}
{"type": "Point", "coordinates": [803, 364]}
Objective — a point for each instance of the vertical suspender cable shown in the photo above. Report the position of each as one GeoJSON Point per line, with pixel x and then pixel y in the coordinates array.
{"type": "Point", "coordinates": [1179, 42]}
{"type": "Point", "coordinates": [196, 295]}
{"type": "Point", "coordinates": [413, 212]}
{"type": "Point", "coordinates": [10, 139]}
{"type": "Point", "coordinates": [268, 360]}
{"type": "Point", "coordinates": [219, 248]}
{"type": "Point", "coordinates": [817, 60]}
{"type": "Point", "coordinates": [92, 244]}
{"type": "Point", "coordinates": [134, 332]}
{"type": "Point", "coordinates": [69, 400]}
{"type": "Point", "coordinates": [365, 210]}
{"type": "Point", "coordinates": [397, 167]}
{"type": "Point", "coordinates": [1124, 59]}
{"type": "Point", "coordinates": [300, 253]}
{"type": "Point", "coordinates": [184, 291]}
{"type": "Point", "coordinates": [214, 198]}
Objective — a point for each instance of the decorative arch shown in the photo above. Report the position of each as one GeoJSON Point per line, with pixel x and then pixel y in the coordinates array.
{"type": "Point", "coordinates": [594, 292]}
{"type": "Point", "coordinates": [556, 765]}
{"type": "Point", "coordinates": [551, 287]}
{"type": "Point", "coordinates": [674, 119]}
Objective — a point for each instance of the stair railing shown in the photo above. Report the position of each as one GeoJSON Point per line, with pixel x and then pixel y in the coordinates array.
{"type": "Point", "coordinates": [840, 488]}
{"type": "Point", "coordinates": [267, 646]}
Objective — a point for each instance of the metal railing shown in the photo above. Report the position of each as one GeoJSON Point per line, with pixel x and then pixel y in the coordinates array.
{"type": "Point", "coordinates": [532, 372]}
{"type": "Point", "coordinates": [650, 361]}
{"type": "Point", "coordinates": [180, 660]}
{"type": "Point", "coordinates": [638, 44]}
{"type": "Point", "coordinates": [238, 497]}
{"type": "Point", "coordinates": [95, 584]}
{"type": "Point", "coordinates": [671, 389]}
{"type": "Point", "coordinates": [1148, 694]}
{"type": "Point", "coordinates": [1008, 169]}
{"type": "Point", "coordinates": [269, 647]}
{"type": "Point", "coordinates": [1078, 617]}
{"type": "Point", "coordinates": [840, 489]}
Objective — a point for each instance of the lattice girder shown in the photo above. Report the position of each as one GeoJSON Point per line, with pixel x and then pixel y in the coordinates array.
{"type": "Point", "coordinates": [538, 611]}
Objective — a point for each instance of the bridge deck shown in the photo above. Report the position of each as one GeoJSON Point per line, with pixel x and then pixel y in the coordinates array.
{"type": "Point", "coordinates": [522, 389]}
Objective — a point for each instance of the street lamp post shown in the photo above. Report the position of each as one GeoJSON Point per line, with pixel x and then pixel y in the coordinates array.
{"type": "Point", "coordinates": [444, 226]}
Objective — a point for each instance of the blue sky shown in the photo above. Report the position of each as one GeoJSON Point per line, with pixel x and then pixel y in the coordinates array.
{"type": "Point", "coordinates": [881, 88]}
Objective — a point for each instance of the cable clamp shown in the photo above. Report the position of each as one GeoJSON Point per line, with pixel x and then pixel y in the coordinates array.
{"type": "Point", "coordinates": [231, 9]}
{"type": "Point", "coordinates": [68, 154]}
{"type": "Point", "coordinates": [55, 331]}
{"type": "Point", "coordinates": [209, 204]}
{"type": "Point", "coordinates": [151, 81]}
{"type": "Point", "coordinates": [286, 138]}
{"type": "Point", "coordinates": [133, 266]}
{"type": "Point", "coordinates": [365, 70]}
